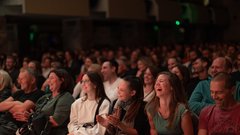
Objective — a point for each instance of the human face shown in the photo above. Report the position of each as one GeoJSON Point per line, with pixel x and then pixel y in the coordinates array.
{"type": "Point", "coordinates": [88, 62]}
{"type": "Point", "coordinates": [177, 72]}
{"type": "Point", "coordinates": [54, 82]}
{"type": "Point", "coordinates": [106, 70]}
{"type": "Point", "coordinates": [219, 93]}
{"type": "Point", "coordinates": [25, 80]}
{"type": "Point", "coordinates": [148, 77]}
{"type": "Point", "coordinates": [32, 66]}
{"type": "Point", "coordinates": [218, 65]}
{"type": "Point", "coordinates": [9, 63]}
{"type": "Point", "coordinates": [162, 85]}
{"type": "Point", "coordinates": [124, 92]}
{"type": "Point", "coordinates": [87, 85]}
{"type": "Point", "coordinates": [198, 66]}
{"type": "Point", "coordinates": [141, 66]}
{"type": "Point", "coordinates": [171, 63]}
{"type": "Point", "coordinates": [192, 55]}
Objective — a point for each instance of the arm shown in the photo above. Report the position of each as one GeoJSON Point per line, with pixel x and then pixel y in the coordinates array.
{"type": "Point", "coordinates": [62, 108]}
{"type": "Point", "coordinates": [104, 109]}
{"type": "Point", "coordinates": [73, 124]}
{"type": "Point", "coordinates": [186, 124]}
{"type": "Point", "coordinates": [22, 106]}
{"type": "Point", "coordinates": [203, 121]}
{"type": "Point", "coordinates": [7, 104]}
{"type": "Point", "coordinates": [202, 132]}
{"type": "Point", "coordinates": [115, 122]}
{"type": "Point", "coordinates": [200, 97]}
{"type": "Point", "coordinates": [151, 123]}
{"type": "Point", "coordinates": [126, 129]}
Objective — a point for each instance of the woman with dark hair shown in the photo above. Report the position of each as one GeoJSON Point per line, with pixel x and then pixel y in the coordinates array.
{"type": "Point", "coordinates": [168, 112]}
{"type": "Point", "coordinates": [55, 105]}
{"type": "Point", "coordinates": [182, 72]}
{"type": "Point", "coordinates": [84, 110]}
{"type": "Point", "coordinates": [129, 117]}
{"type": "Point", "coordinates": [149, 78]}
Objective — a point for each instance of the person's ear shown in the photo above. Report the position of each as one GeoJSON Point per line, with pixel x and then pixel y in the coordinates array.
{"type": "Point", "coordinates": [133, 92]}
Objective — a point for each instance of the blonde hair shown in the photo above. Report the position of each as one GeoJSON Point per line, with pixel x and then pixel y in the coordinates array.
{"type": "Point", "coordinates": [5, 80]}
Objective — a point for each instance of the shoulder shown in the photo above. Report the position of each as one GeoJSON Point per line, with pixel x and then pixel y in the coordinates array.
{"type": "Point", "coordinates": [79, 101]}
{"type": "Point", "coordinates": [66, 97]}
{"type": "Point", "coordinates": [182, 109]}
{"type": "Point", "coordinates": [206, 111]}
{"type": "Point", "coordinates": [106, 102]}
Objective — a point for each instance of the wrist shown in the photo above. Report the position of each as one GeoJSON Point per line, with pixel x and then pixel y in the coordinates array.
{"type": "Point", "coordinates": [119, 125]}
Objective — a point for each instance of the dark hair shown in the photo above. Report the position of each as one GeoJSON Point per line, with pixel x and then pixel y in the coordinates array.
{"type": "Point", "coordinates": [96, 79]}
{"type": "Point", "coordinates": [37, 66]}
{"type": "Point", "coordinates": [225, 77]}
{"type": "Point", "coordinates": [154, 71]}
{"type": "Point", "coordinates": [113, 63]}
{"type": "Point", "coordinates": [185, 73]}
{"type": "Point", "coordinates": [68, 83]}
{"type": "Point", "coordinates": [204, 59]}
{"type": "Point", "coordinates": [134, 83]}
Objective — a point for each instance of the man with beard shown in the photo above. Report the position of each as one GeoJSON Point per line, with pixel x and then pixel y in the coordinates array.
{"type": "Point", "coordinates": [200, 68]}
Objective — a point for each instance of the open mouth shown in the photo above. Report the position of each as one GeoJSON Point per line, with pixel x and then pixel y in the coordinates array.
{"type": "Point", "coordinates": [159, 89]}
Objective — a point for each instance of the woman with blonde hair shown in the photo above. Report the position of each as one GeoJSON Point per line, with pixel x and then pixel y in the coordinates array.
{"type": "Point", "coordinates": [5, 85]}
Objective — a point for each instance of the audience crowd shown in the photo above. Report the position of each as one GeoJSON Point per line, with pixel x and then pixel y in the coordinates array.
{"type": "Point", "coordinates": [169, 89]}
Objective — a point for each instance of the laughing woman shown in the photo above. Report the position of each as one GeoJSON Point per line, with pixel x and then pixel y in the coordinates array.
{"type": "Point", "coordinates": [168, 113]}
{"type": "Point", "coordinates": [56, 105]}
{"type": "Point", "coordinates": [129, 117]}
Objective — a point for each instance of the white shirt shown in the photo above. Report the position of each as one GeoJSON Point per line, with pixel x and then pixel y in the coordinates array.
{"type": "Point", "coordinates": [111, 89]}
{"type": "Point", "coordinates": [84, 112]}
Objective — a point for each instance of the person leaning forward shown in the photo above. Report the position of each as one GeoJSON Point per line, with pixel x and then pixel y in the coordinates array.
{"type": "Point", "coordinates": [21, 101]}
{"type": "Point", "coordinates": [224, 116]}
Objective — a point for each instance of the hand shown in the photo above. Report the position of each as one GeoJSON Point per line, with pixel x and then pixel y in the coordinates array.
{"type": "Point", "coordinates": [21, 116]}
{"type": "Point", "coordinates": [102, 121]}
{"type": "Point", "coordinates": [113, 120]}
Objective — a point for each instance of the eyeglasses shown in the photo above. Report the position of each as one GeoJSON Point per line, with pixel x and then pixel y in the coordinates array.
{"type": "Point", "coordinates": [85, 81]}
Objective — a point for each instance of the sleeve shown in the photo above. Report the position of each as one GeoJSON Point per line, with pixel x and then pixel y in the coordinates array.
{"type": "Point", "coordinates": [62, 108]}
{"type": "Point", "coordinates": [77, 90]}
{"type": "Point", "coordinates": [237, 92]}
{"type": "Point", "coordinates": [5, 93]}
{"type": "Point", "coordinates": [203, 121]}
{"type": "Point", "coordinates": [141, 123]}
{"type": "Point", "coordinates": [35, 96]}
{"type": "Point", "coordinates": [73, 124]}
{"type": "Point", "coordinates": [196, 102]}
{"type": "Point", "coordinates": [104, 109]}
{"type": "Point", "coordinates": [16, 94]}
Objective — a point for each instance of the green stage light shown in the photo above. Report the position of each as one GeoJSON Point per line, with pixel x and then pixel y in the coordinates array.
{"type": "Point", "coordinates": [177, 22]}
